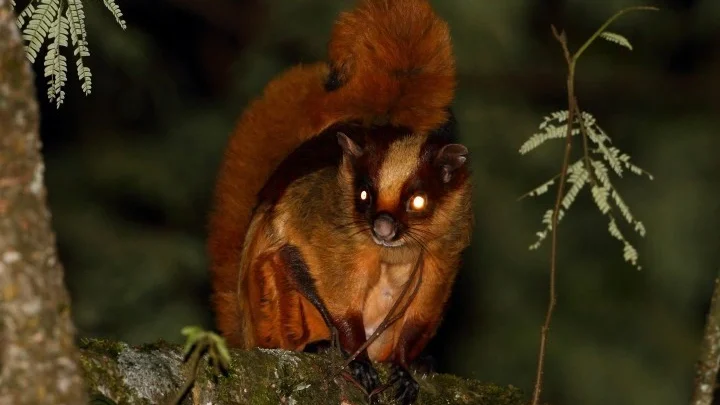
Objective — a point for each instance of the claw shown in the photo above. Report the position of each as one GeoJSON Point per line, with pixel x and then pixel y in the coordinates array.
{"type": "Point", "coordinates": [334, 338]}
{"type": "Point", "coordinates": [407, 389]}
{"type": "Point", "coordinates": [364, 373]}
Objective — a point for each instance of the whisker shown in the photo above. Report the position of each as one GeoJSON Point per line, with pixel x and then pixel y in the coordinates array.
{"type": "Point", "coordinates": [423, 246]}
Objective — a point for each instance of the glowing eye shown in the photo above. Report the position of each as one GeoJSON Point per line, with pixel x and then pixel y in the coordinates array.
{"type": "Point", "coordinates": [418, 202]}
{"type": "Point", "coordinates": [363, 195]}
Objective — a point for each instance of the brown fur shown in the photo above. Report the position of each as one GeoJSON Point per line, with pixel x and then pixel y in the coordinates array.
{"type": "Point", "coordinates": [352, 275]}
{"type": "Point", "coordinates": [394, 63]}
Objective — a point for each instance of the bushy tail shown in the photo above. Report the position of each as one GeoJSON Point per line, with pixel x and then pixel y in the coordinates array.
{"type": "Point", "coordinates": [391, 62]}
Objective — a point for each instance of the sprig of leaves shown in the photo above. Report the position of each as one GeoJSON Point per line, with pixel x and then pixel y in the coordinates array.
{"type": "Point", "coordinates": [198, 343]}
{"type": "Point", "coordinates": [588, 171]}
{"type": "Point", "coordinates": [50, 21]}
{"type": "Point", "coordinates": [585, 171]}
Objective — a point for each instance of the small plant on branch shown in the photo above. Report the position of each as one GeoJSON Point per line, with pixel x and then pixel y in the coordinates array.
{"type": "Point", "coordinates": [51, 22]}
{"type": "Point", "coordinates": [598, 160]}
{"type": "Point", "coordinates": [198, 343]}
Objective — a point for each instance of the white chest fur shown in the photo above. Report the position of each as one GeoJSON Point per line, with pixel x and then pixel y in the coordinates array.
{"type": "Point", "coordinates": [382, 295]}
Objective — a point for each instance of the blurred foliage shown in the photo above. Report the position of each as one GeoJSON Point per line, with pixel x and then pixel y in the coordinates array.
{"type": "Point", "coordinates": [130, 171]}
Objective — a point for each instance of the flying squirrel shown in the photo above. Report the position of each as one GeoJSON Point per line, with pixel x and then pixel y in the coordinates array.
{"type": "Point", "coordinates": [342, 185]}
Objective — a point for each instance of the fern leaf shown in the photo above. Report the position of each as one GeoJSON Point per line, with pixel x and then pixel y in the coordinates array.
{"type": "Point", "coordinates": [552, 127]}
{"type": "Point", "coordinates": [547, 220]}
{"type": "Point", "coordinates": [55, 62]}
{"type": "Point", "coordinates": [625, 211]}
{"type": "Point", "coordinates": [630, 254]}
{"type": "Point", "coordinates": [625, 160]}
{"type": "Point", "coordinates": [601, 173]}
{"type": "Point", "coordinates": [115, 10]}
{"type": "Point", "coordinates": [40, 24]}
{"type": "Point", "coordinates": [541, 189]}
{"type": "Point", "coordinates": [616, 38]}
{"type": "Point", "coordinates": [537, 139]}
{"type": "Point", "coordinates": [596, 133]}
{"type": "Point", "coordinates": [75, 17]}
{"type": "Point", "coordinates": [578, 178]}
{"type": "Point", "coordinates": [28, 11]}
{"type": "Point", "coordinates": [550, 132]}
{"type": "Point", "coordinates": [559, 116]}
{"type": "Point", "coordinates": [600, 196]}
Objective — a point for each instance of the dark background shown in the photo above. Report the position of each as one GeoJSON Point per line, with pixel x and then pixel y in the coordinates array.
{"type": "Point", "coordinates": [130, 170]}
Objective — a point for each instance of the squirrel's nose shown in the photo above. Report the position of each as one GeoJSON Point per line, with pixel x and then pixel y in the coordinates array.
{"type": "Point", "coordinates": [384, 227]}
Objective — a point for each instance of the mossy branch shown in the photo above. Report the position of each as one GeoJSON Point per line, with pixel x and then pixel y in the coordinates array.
{"type": "Point", "coordinates": [154, 374]}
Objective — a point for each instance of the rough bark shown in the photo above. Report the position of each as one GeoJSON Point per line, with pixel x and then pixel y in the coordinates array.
{"type": "Point", "coordinates": [707, 367]}
{"type": "Point", "coordinates": [38, 357]}
{"type": "Point", "coordinates": [154, 374]}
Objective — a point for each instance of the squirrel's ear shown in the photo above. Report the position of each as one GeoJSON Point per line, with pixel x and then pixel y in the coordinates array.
{"type": "Point", "coordinates": [348, 146]}
{"type": "Point", "coordinates": [450, 158]}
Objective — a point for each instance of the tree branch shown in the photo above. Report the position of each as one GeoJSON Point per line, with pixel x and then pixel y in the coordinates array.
{"type": "Point", "coordinates": [707, 367]}
{"type": "Point", "coordinates": [153, 374]}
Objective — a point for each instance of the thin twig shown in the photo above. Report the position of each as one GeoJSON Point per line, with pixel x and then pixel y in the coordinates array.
{"type": "Point", "coordinates": [586, 148]}
{"type": "Point", "coordinates": [707, 367]}
{"type": "Point", "coordinates": [573, 108]}
{"type": "Point", "coordinates": [195, 358]}
{"type": "Point", "coordinates": [604, 27]}
{"type": "Point", "coordinates": [562, 38]}
{"type": "Point", "coordinates": [389, 318]}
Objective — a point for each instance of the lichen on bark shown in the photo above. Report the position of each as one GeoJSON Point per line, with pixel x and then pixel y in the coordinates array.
{"type": "Point", "coordinates": [153, 374]}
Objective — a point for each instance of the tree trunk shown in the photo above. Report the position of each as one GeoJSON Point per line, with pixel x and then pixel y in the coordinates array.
{"type": "Point", "coordinates": [38, 358]}
{"type": "Point", "coordinates": [154, 374]}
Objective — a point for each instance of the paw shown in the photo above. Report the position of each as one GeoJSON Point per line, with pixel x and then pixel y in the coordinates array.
{"type": "Point", "coordinates": [407, 389]}
{"type": "Point", "coordinates": [364, 373]}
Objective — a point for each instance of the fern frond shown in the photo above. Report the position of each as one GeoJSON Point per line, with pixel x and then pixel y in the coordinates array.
{"type": "Point", "coordinates": [617, 160]}
{"type": "Point", "coordinates": [28, 11]}
{"type": "Point", "coordinates": [552, 127]}
{"type": "Point", "coordinates": [115, 10]}
{"type": "Point", "coordinates": [40, 24]}
{"type": "Point", "coordinates": [541, 189]}
{"type": "Point", "coordinates": [75, 17]}
{"type": "Point", "coordinates": [630, 254]}
{"type": "Point", "coordinates": [600, 196]}
{"type": "Point", "coordinates": [547, 220]}
{"type": "Point", "coordinates": [578, 178]}
{"type": "Point", "coordinates": [54, 20]}
{"type": "Point", "coordinates": [616, 38]}
{"type": "Point", "coordinates": [559, 116]}
{"type": "Point", "coordinates": [55, 62]}
{"type": "Point", "coordinates": [625, 160]}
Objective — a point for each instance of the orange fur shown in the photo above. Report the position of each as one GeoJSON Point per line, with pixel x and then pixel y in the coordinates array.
{"type": "Point", "coordinates": [394, 61]}
{"type": "Point", "coordinates": [270, 128]}
{"type": "Point", "coordinates": [395, 58]}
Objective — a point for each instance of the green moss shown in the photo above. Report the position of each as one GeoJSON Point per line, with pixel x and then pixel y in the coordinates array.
{"type": "Point", "coordinates": [124, 373]}
{"type": "Point", "coordinates": [101, 346]}
{"type": "Point", "coordinates": [99, 363]}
